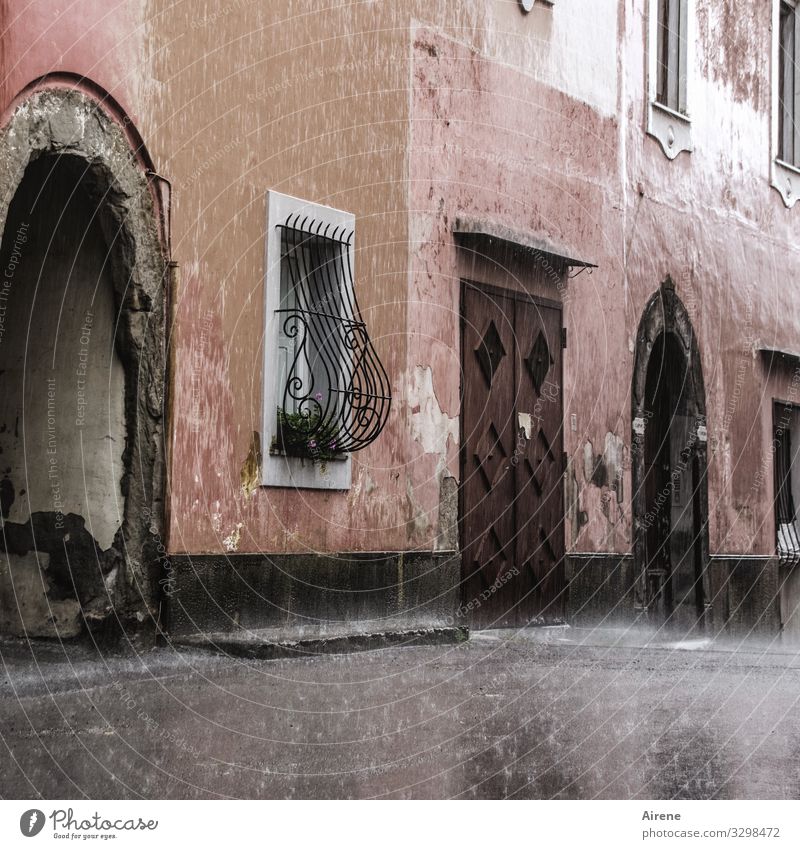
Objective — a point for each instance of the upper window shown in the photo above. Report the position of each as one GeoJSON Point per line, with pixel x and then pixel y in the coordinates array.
{"type": "Point", "coordinates": [326, 393]}
{"type": "Point", "coordinates": [669, 73]}
{"type": "Point", "coordinates": [788, 84]}
{"type": "Point", "coordinates": [671, 54]}
{"type": "Point", "coordinates": [785, 100]}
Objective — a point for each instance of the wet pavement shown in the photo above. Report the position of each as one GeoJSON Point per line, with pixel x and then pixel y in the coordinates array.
{"type": "Point", "coordinates": [540, 713]}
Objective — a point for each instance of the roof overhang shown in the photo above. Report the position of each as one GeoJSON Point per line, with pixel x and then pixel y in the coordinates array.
{"type": "Point", "coordinates": [780, 355]}
{"type": "Point", "coordinates": [485, 236]}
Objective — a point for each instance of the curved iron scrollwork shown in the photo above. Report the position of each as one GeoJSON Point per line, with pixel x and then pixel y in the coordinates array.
{"type": "Point", "coordinates": [337, 396]}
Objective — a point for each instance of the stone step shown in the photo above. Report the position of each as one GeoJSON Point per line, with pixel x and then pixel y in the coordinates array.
{"type": "Point", "coordinates": [300, 641]}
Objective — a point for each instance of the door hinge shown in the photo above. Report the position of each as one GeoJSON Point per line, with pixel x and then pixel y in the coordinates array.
{"type": "Point", "coordinates": [563, 337]}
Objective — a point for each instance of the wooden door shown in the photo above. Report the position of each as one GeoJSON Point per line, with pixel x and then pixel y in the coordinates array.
{"type": "Point", "coordinates": [658, 497]}
{"type": "Point", "coordinates": [511, 514]}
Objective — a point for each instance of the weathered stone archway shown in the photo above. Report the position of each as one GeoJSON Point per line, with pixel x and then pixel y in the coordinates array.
{"type": "Point", "coordinates": [666, 318]}
{"type": "Point", "coordinates": [67, 124]}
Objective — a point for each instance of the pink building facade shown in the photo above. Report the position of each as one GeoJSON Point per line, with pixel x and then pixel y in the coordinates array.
{"type": "Point", "coordinates": [572, 256]}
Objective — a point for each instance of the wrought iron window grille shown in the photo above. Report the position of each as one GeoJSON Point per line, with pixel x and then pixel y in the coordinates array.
{"type": "Point", "coordinates": [334, 394]}
{"type": "Point", "coordinates": [785, 515]}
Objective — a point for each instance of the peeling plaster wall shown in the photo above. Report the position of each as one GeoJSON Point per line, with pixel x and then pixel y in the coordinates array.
{"type": "Point", "coordinates": [539, 161]}
{"type": "Point", "coordinates": [81, 350]}
{"type": "Point", "coordinates": [233, 100]}
{"type": "Point", "coordinates": [409, 114]}
{"type": "Point", "coordinates": [711, 221]}
{"type": "Point", "coordinates": [84, 52]}
{"type": "Point", "coordinates": [320, 105]}
{"type": "Point", "coordinates": [259, 96]}
{"type": "Point", "coordinates": [430, 427]}
{"type": "Point", "coordinates": [542, 153]}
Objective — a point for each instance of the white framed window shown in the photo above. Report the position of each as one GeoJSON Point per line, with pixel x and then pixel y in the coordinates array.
{"type": "Point", "coordinates": [785, 175]}
{"type": "Point", "coordinates": [326, 393]}
{"type": "Point", "coordinates": [669, 53]}
{"type": "Point", "coordinates": [304, 286]}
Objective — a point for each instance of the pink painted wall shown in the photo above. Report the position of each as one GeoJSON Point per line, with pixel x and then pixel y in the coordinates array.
{"type": "Point", "coordinates": [410, 114]}
{"type": "Point", "coordinates": [491, 142]}
{"type": "Point", "coordinates": [105, 41]}
{"type": "Point", "coordinates": [711, 220]}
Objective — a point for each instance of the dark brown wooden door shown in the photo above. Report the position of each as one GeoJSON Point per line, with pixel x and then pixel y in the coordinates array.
{"type": "Point", "coordinates": [672, 522]}
{"type": "Point", "coordinates": [512, 536]}
{"type": "Point", "coordinates": [658, 494]}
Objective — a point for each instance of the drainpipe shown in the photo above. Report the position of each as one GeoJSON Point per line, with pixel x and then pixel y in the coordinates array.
{"type": "Point", "coordinates": [163, 191]}
{"type": "Point", "coordinates": [172, 295]}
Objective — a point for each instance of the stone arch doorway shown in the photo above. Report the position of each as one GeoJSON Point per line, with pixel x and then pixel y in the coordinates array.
{"type": "Point", "coordinates": [669, 466]}
{"type": "Point", "coordinates": [82, 312]}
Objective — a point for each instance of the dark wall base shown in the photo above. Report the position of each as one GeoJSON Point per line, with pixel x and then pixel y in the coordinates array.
{"type": "Point", "coordinates": [745, 593]}
{"type": "Point", "coordinates": [790, 602]}
{"type": "Point", "coordinates": [421, 590]}
{"type": "Point", "coordinates": [380, 592]}
{"type": "Point", "coordinates": [600, 589]}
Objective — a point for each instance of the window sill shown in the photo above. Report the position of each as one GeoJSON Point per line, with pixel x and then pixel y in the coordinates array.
{"type": "Point", "coordinates": [786, 181]}
{"type": "Point", "coordinates": [671, 129]}
{"type": "Point", "coordinates": [283, 470]}
{"type": "Point", "coordinates": [279, 452]}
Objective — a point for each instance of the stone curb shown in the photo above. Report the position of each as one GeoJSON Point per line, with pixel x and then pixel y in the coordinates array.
{"type": "Point", "coordinates": [263, 645]}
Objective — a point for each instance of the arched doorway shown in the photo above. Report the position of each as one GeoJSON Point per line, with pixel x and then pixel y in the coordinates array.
{"type": "Point", "coordinates": [670, 498]}
{"type": "Point", "coordinates": [81, 374]}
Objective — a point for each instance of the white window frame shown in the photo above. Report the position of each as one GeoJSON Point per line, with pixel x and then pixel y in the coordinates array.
{"type": "Point", "coordinates": [784, 176]}
{"type": "Point", "coordinates": [281, 470]}
{"type": "Point", "coordinates": [672, 128]}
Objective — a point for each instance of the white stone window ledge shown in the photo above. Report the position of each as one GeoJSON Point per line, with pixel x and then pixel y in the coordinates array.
{"type": "Point", "coordinates": [786, 180]}
{"type": "Point", "coordinates": [672, 129]}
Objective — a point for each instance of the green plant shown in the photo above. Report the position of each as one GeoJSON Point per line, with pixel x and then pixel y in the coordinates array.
{"type": "Point", "coordinates": [302, 435]}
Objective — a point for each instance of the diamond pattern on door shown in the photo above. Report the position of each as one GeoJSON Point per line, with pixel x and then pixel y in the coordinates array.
{"type": "Point", "coordinates": [534, 480]}
{"type": "Point", "coordinates": [539, 361]}
{"type": "Point", "coordinates": [511, 510]}
{"type": "Point", "coordinates": [491, 456]}
{"type": "Point", "coordinates": [490, 352]}
{"type": "Point", "coordinates": [544, 451]}
{"type": "Point", "coordinates": [490, 557]}
{"type": "Point", "coordinates": [544, 539]}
